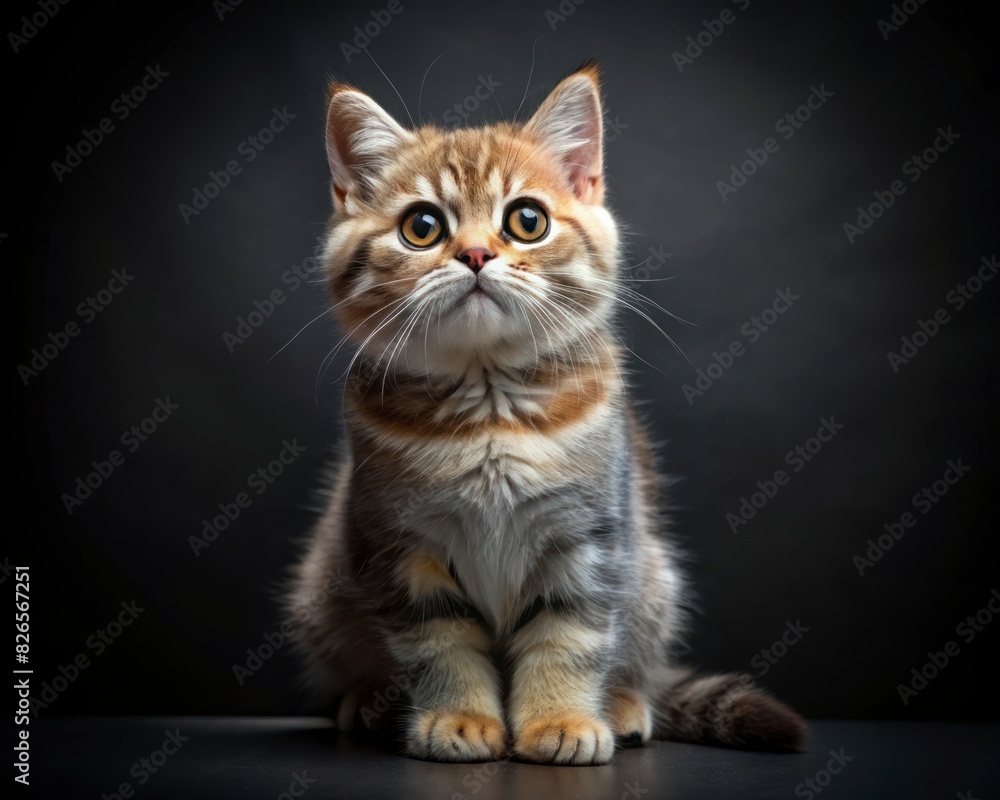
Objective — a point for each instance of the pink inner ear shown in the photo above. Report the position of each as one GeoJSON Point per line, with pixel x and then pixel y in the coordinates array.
{"type": "Point", "coordinates": [569, 121]}
{"type": "Point", "coordinates": [590, 190]}
{"type": "Point", "coordinates": [584, 167]}
{"type": "Point", "coordinates": [342, 164]}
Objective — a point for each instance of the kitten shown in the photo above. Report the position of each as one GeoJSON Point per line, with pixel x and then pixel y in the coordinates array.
{"type": "Point", "coordinates": [495, 527]}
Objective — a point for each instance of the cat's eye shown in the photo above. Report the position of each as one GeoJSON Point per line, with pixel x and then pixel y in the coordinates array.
{"type": "Point", "coordinates": [526, 221]}
{"type": "Point", "coordinates": [422, 228]}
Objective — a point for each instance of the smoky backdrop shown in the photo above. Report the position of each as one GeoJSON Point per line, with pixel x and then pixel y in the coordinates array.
{"type": "Point", "coordinates": [812, 187]}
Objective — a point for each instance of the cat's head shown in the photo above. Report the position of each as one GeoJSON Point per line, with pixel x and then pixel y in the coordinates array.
{"type": "Point", "coordinates": [451, 248]}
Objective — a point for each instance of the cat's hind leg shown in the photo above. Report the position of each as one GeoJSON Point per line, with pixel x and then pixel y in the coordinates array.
{"type": "Point", "coordinates": [629, 716]}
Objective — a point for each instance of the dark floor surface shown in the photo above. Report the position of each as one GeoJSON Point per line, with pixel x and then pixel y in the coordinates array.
{"type": "Point", "coordinates": [234, 757]}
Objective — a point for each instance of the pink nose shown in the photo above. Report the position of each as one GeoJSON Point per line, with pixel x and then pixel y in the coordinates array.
{"type": "Point", "coordinates": [475, 257]}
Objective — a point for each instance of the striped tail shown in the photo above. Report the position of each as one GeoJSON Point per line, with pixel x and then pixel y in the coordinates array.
{"type": "Point", "coordinates": [727, 711]}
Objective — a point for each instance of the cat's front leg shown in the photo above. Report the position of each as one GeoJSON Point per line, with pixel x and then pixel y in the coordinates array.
{"type": "Point", "coordinates": [457, 714]}
{"type": "Point", "coordinates": [457, 708]}
{"type": "Point", "coordinates": [556, 706]}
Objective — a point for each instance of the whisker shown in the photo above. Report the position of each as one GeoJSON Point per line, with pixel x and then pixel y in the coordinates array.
{"type": "Point", "coordinates": [636, 310]}
{"type": "Point", "coordinates": [637, 296]}
{"type": "Point", "coordinates": [531, 72]}
{"type": "Point", "coordinates": [322, 314]}
{"type": "Point", "coordinates": [331, 356]}
{"type": "Point", "coordinates": [401, 100]}
{"type": "Point", "coordinates": [420, 97]}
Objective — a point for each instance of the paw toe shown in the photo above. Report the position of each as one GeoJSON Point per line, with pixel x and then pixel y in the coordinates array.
{"type": "Point", "coordinates": [566, 739]}
{"type": "Point", "coordinates": [456, 736]}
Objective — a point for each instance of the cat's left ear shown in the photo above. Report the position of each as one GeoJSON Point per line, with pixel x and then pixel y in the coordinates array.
{"type": "Point", "coordinates": [569, 124]}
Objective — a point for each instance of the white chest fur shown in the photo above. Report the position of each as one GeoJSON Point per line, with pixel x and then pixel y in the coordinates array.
{"type": "Point", "coordinates": [495, 500]}
{"type": "Point", "coordinates": [492, 497]}
{"type": "Point", "coordinates": [484, 393]}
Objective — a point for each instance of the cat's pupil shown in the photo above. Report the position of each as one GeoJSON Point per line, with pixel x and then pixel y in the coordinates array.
{"type": "Point", "coordinates": [423, 225]}
{"type": "Point", "coordinates": [529, 220]}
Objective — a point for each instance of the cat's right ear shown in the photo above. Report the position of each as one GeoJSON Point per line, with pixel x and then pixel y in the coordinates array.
{"type": "Point", "coordinates": [361, 140]}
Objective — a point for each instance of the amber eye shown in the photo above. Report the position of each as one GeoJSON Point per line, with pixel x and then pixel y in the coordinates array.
{"type": "Point", "coordinates": [422, 228]}
{"type": "Point", "coordinates": [526, 221]}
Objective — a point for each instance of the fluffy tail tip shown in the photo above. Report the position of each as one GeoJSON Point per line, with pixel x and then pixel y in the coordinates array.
{"type": "Point", "coordinates": [760, 722]}
{"type": "Point", "coordinates": [728, 710]}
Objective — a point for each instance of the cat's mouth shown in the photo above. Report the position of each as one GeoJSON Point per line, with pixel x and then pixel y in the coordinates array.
{"type": "Point", "coordinates": [478, 297]}
{"type": "Point", "coordinates": [478, 293]}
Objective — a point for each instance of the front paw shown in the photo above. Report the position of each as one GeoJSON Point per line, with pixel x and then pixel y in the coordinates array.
{"type": "Point", "coordinates": [456, 736]}
{"type": "Point", "coordinates": [565, 738]}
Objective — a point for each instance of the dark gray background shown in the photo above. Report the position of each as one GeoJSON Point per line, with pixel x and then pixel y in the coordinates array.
{"type": "Point", "coordinates": [679, 134]}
